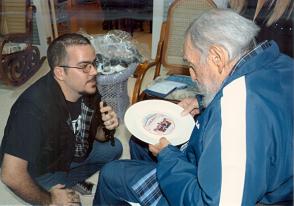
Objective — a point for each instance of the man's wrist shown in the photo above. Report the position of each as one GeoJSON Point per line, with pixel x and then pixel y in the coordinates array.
{"type": "Point", "coordinates": [163, 151]}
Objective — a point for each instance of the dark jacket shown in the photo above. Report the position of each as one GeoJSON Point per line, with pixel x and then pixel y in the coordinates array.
{"type": "Point", "coordinates": [54, 143]}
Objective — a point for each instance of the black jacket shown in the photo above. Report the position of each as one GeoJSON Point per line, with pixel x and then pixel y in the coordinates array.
{"type": "Point", "coordinates": [53, 144]}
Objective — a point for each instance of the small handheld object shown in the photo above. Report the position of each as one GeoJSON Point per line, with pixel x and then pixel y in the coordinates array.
{"type": "Point", "coordinates": [109, 134]}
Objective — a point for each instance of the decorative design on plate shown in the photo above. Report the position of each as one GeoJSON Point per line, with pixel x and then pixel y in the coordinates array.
{"type": "Point", "coordinates": [149, 120]}
{"type": "Point", "coordinates": [158, 124]}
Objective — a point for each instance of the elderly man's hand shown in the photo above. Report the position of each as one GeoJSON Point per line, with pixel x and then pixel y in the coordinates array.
{"type": "Point", "coordinates": [109, 117]}
{"type": "Point", "coordinates": [190, 105]}
{"type": "Point", "coordinates": [155, 149]}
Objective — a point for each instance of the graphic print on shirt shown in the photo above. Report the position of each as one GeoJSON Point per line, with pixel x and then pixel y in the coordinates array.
{"type": "Point", "coordinates": [76, 125]}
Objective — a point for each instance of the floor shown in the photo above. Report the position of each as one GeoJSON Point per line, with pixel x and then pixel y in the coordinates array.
{"type": "Point", "coordinates": [9, 94]}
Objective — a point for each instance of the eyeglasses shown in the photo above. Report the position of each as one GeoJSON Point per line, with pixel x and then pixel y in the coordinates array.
{"type": "Point", "coordinates": [86, 67]}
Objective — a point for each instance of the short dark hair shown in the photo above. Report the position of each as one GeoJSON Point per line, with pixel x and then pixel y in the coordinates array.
{"type": "Point", "coordinates": [56, 52]}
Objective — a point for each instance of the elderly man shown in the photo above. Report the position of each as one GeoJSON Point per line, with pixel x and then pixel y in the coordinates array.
{"type": "Point", "coordinates": [240, 151]}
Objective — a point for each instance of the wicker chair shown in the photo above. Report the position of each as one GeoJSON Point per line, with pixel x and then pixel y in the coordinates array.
{"type": "Point", "coordinates": [169, 56]}
{"type": "Point", "coordinates": [19, 59]}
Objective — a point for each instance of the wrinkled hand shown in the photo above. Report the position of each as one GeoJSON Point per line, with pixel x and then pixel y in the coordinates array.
{"type": "Point", "coordinates": [190, 105]}
{"type": "Point", "coordinates": [109, 117]}
{"type": "Point", "coordinates": [155, 149]}
{"type": "Point", "coordinates": [62, 196]}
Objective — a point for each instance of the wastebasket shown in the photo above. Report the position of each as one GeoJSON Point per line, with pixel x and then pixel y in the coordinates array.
{"type": "Point", "coordinates": [114, 89]}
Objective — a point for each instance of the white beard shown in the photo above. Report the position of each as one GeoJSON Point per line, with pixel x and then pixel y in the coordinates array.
{"type": "Point", "coordinates": [208, 93]}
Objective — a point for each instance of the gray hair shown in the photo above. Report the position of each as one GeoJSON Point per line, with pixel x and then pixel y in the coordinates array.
{"type": "Point", "coordinates": [223, 27]}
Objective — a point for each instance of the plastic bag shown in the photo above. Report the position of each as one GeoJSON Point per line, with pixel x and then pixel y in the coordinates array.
{"type": "Point", "coordinates": [115, 51]}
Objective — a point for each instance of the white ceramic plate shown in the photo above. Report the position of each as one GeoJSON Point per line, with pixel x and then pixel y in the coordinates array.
{"type": "Point", "coordinates": [150, 120]}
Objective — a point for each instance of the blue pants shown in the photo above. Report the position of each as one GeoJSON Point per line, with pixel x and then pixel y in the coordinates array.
{"type": "Point", "coordinates": [139, 150]}
{"type": "Point", "coordinates": [117, 178]}
{"type": "Point", "coordinates": [102, 152]}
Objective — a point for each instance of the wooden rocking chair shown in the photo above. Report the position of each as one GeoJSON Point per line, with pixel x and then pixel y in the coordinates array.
{"type": "Point", "coordinates": [19, 59]}
{"type": "Point", "coordinates": [169, 56]}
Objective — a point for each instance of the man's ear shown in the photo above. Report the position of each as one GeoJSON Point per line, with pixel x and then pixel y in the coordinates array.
{"type": "Point", "coordinates": [218, 56]}
{"type": "Point", "coordinates": [59, 73]}
{"type": "Point", "coordinates": [192, 74]}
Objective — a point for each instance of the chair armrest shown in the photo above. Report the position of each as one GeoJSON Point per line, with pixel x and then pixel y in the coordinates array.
{"type": "Point", "coordinates": [10, 43]}
{"type": "Point", "coordinates": [139, 74]}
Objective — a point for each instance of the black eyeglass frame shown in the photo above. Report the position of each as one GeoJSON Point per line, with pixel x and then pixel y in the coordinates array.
{"type": "Point", "coordinates": [86, 68]}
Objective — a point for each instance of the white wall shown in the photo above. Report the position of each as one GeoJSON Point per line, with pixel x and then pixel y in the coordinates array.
{"type": "Point", "coordinates": [43, 24]}
{"type": "Point", "coordinates": [156, 24]}
{"type": "Point", "coordinates": [160, 9]}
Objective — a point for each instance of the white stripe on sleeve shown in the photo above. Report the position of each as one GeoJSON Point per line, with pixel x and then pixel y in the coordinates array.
{"type": "Point", "coordinates": [233, 142]}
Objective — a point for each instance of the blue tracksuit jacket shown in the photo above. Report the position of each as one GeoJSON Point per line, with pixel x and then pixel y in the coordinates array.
{"type": "Point", "coordinates": [241, 149]}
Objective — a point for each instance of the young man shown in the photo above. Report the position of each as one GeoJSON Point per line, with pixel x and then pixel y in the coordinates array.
{"type": "Point", "coordinates": [49, 142]}
{"type": "Point", "coordinates": [241, 149]}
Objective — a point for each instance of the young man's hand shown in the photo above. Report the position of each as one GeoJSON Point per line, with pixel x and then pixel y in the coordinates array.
{"type": "Point", "coordinates": [62, 196]}
{"type": "Point", "coordinates": [109, 117]}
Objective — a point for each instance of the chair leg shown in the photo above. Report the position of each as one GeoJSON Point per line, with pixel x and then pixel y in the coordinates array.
{"type": "Point", "coordinates": [150, 26]}
{"type": "Point", "coordinates": [141, 25]}
{"type": "Point", "coordinates": [3, 74]}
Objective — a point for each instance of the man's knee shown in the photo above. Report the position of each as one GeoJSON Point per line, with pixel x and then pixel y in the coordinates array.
{"type": "Point", "coordinates": [109, 171]}
{"type": "Point", "coordinates": [118, 149]}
